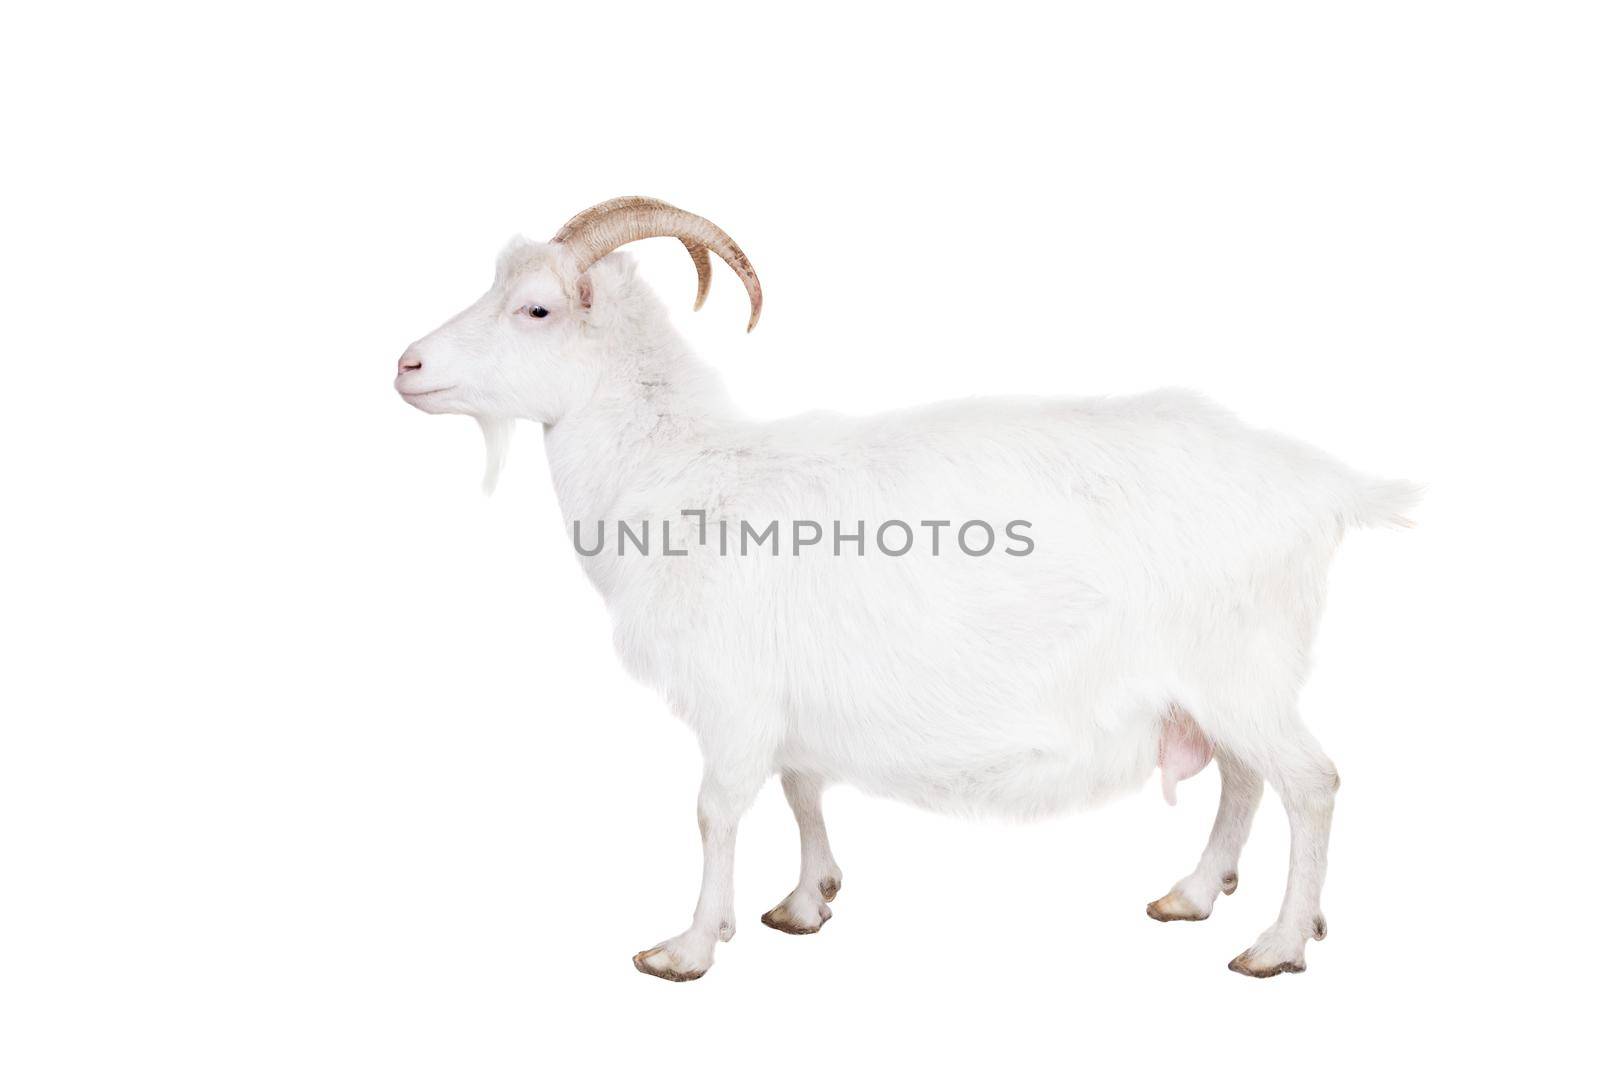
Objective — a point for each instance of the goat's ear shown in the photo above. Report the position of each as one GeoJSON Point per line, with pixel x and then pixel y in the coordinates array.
{"type": "Point", "coordinates": [585, 291]}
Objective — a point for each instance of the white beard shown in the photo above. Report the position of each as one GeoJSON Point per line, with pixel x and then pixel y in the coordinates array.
{"type": "Point", "coordinates": [497, 444]}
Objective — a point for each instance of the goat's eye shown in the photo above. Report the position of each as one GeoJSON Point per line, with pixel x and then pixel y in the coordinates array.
{"type": "Point", "coordinates": [535, 311]}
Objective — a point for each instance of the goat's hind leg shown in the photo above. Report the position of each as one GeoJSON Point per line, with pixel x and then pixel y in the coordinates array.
{"type": "Point", "coordinates": [806, 909]}
{"type": "Point", "coordinates": [1218, 871]}
{"type": "Point", "coordinates": [1305, 780]}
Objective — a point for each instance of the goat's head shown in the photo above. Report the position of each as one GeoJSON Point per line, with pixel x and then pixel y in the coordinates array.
{"type": "Point", "coordinates": [531, 346]}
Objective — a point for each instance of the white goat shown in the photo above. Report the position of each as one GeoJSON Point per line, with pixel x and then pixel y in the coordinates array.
{"type": "Point", "coordinates": [1152, 599]}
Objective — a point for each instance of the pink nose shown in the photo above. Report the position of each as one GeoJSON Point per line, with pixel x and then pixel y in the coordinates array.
{"type": "Point", "coordinates": [410, 362]}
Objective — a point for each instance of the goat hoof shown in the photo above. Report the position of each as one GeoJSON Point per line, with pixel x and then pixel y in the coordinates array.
{"type": "Point", "coordinates": [781, 918]}
{"type": "Point", "coordinates": [1246, 964]}
{"type": "Point", "coordinates": [1319, 928]}
{"type": "Point", "coordinates": [664, 961]}
{"type": "Point", "coordinates": [1230, 882]}
{"type": "Point", "coordinates": [1174, 907]}
{"type": "Point", "coordinates": [829, 888]}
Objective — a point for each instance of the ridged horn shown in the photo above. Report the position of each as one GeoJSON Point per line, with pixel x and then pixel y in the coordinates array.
{"type": "Point", "coordinates": [697, 251]}
{"type": "Point", "coordinates": [606, 227]}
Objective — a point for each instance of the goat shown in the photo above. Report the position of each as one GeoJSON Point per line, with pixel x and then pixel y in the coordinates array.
{"type": "Point", "coordinates": [1161, 613]}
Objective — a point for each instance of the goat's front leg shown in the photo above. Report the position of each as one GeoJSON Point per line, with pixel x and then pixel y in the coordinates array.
{"type": "Point", "coordinates": [724, 797]}
{"type": "Point", "coordinates": [1218, 871]}
{"type": "Point", "coordinates": [806, 909]}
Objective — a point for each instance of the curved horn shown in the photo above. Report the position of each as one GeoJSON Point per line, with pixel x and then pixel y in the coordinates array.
{"type": "Point", "coordinates": [604, 228]}
{"type": "Point", "coordinates": [702, 270]}
{"type": "Point", "coordinates": [697, 251]}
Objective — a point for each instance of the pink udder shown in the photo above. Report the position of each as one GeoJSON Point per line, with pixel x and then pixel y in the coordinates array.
{"type": "Point", "coordinates": [1183, 753]}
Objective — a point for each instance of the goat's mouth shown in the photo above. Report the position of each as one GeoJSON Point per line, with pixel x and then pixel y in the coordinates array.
{"type": "Point", "coordinates": [412, 396]}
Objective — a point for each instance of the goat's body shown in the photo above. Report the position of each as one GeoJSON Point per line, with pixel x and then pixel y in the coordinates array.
{"type": "Point", "coordinates": [1178, 561]}
{"type": "Point", "coordinates": [1149, 598]}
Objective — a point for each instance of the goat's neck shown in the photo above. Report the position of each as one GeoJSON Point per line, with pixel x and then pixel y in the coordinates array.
{"type": "Point", "coordinates": [652, 412]}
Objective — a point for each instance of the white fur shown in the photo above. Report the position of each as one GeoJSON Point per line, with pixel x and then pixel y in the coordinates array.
{"type": "Point", "coordinates": [1180, 563]}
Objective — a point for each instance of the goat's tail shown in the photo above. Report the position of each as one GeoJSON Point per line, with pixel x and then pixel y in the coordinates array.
{"type": "Point", "coordinates": [1384, 502]}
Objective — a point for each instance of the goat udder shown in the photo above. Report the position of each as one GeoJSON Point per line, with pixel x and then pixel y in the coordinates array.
{"type": "Point", "coordinates": [1183, 753]}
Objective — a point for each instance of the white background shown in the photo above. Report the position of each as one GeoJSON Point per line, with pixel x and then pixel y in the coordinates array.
{"type": "Point", "coordinates": [310, 754]}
